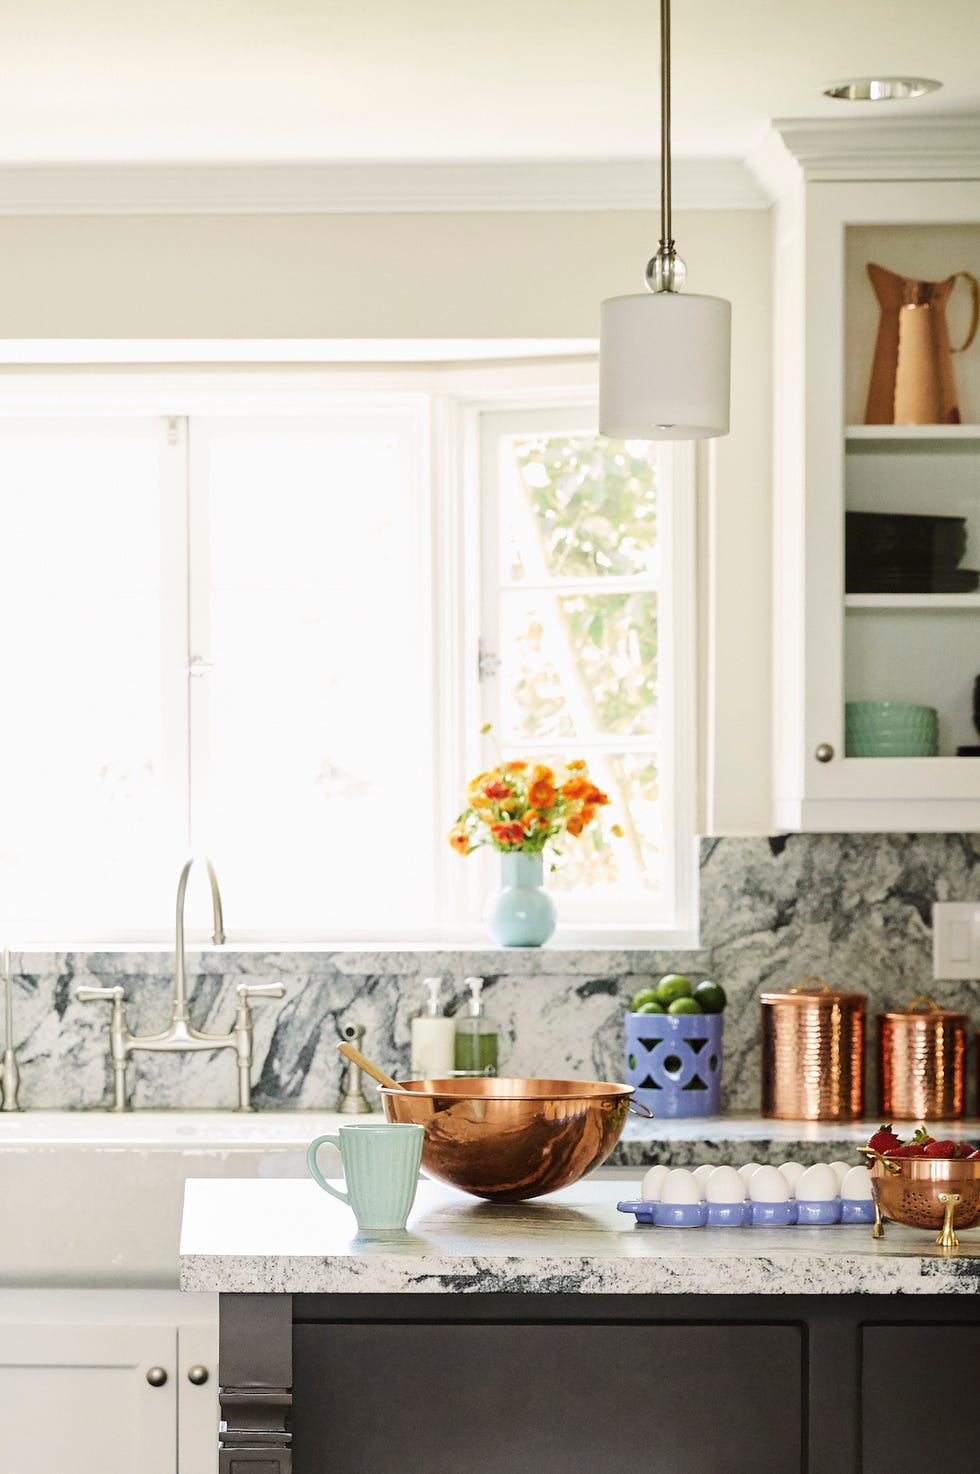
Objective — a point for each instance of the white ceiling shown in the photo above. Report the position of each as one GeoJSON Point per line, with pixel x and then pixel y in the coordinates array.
{"type": "Point", "coordinates": [304, 80]}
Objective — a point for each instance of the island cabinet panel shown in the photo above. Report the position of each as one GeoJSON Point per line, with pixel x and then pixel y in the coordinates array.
{"type": "Point", "coordinates": [553, 1399]}
{"type": "Point", "coordinates": [921, 1397]}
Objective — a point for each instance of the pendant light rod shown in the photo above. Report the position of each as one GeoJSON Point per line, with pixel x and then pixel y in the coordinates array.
{"type": "Point", "coordinates": [666, 235]}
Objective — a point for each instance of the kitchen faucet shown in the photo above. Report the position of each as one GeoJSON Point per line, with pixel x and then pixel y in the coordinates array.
{"type": "Point", "coordinates": [180, 1035]}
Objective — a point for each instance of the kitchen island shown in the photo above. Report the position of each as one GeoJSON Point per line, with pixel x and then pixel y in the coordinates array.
{"type": "Point", "coordinates": [557, 1335]}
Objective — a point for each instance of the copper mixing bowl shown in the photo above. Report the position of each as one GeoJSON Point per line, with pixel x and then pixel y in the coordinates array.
{"type": "Point", "coordinates": [511, 1139]}
{"type": "Point", "coordinates": [907, 1189]}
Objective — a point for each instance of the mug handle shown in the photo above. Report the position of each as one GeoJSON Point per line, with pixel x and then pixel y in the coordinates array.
{"type": "Point", "coordinates": [315, 1172]}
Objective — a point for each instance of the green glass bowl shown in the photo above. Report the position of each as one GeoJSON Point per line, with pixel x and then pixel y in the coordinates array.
{"type": "Point", "coordinates": [890, 729]}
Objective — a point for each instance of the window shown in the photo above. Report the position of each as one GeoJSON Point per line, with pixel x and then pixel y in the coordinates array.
{"type": "Point", "coordinates": [243, 619]}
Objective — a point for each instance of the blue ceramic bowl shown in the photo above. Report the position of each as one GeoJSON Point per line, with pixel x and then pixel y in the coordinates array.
{"type": "Point", "coordinates": [815, 1213]}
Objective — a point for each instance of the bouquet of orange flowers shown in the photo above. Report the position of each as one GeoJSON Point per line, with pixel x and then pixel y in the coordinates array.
{"type": "Point", "coordinates": [524, 806]}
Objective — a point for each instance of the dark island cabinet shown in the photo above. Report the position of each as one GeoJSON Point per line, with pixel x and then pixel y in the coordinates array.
{"type": "Point", "coordinates": [565, 1384]}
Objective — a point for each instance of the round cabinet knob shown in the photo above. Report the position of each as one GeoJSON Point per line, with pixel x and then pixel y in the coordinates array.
{"type": "Point", "coordinates": [198, 1375]}
{"type": "Point", "coordinates": [156, 1376]}
{"type": "Point", "coordinates": [824, 753]}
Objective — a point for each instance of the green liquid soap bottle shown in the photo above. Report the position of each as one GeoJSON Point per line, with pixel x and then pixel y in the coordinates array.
{"type": "Point", "coordinates": [476, 1035]}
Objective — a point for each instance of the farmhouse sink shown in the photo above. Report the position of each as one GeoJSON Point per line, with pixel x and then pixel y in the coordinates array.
{"type": "Point", "coordinates": [93, 1199]}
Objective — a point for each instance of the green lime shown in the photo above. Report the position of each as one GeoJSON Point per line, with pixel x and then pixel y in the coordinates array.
{"type": "Point", "coordinates": [674, 986]}
{"type": "Point", "coordinates": [711, 997]}
{"type": "Point", "coordinates": [652, 1006]}
{"type": "Point", "coordinates": [684, 1005]}
{"type": "Point", "coordinates": [645, 995]}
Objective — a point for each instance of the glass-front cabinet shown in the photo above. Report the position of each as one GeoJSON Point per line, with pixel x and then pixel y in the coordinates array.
{"type": "Point", "coordinates": [877, 508]}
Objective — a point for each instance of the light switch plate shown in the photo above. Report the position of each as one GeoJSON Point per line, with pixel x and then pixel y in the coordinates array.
{"type": "Point", "coordinates": [956, 939]}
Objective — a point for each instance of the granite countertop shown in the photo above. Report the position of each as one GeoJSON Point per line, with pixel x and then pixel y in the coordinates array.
{"type": "Point", "coordinates": [288, 1237]}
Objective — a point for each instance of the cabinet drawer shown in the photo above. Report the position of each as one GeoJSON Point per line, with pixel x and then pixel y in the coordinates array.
{"type": "Point", "coordinates": [919, 1387]}
{"type": "Point", "coordinates": [552, 1399]}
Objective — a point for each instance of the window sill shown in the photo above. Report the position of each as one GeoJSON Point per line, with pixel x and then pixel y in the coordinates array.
{"type": "Point", "coordinates": [567, 941]}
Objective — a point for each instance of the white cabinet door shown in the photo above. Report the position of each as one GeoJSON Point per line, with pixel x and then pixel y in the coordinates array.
{"type": "Point", "coordinates": [75, 1399]}
{"type": "Point", "coordinates": [852, 627]}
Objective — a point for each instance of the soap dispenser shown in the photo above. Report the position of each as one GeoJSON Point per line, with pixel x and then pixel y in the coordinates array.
{"type": "Point", "coordinates": [476, 1035]}
{"type": "Point", "coordinates": [433, 1037]}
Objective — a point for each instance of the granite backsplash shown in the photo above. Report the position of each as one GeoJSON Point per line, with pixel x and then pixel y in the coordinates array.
{"type": "Point", "coordinates": [854, 909]}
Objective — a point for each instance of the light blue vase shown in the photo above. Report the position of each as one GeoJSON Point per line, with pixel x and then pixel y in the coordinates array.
{"type": "Point", "coordinates": [521, 914]}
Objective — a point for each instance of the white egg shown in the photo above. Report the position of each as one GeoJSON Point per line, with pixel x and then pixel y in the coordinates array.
{"type": "Point", "coordinates": [701, 1175]}
{"type": "Point", "coordinates": [818, 1184]}
{"type": "Point", "coordinates": [680, 1187]}
{"type": "Point", "coordinates": [792, 1171]}
{"type": "Point", "coordinates": [652, 1184]}
{"type": "Point", "coordinates": [841, 1169]}
{"type": "Point", "coordinates": [768, 1185]}
{"type": "Point", "coordinates": [725, 1186]}
{"type": "Point", "coordinates": [746, 1172]}
{"type": "Point", "coordinates": [857, 1185]}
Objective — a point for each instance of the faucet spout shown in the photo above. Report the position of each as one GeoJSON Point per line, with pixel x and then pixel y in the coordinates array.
{"type": "Point", "coordinates": [218, 937]}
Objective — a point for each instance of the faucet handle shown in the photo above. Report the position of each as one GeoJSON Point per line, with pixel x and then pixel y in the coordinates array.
{"type": "Point", "coordinates": [114, 995]}
{"type": "Point", "coordinates": [246, 991]}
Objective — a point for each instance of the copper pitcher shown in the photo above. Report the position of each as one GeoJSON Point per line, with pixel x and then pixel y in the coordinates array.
{"type": "Point", "coordinates": [912, 376]}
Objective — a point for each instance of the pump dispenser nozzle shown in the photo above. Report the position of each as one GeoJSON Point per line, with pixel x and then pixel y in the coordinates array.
{"type": "Point", "coordinates": [433, 1007]}
{"type": "Point", "coordinates": [474, 1006]}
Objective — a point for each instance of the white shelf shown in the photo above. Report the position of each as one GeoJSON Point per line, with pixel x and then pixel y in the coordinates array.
{"type": "Point", "coordinates": [891, 433]}
{"type": "Point", "coordinates": [912, 601]}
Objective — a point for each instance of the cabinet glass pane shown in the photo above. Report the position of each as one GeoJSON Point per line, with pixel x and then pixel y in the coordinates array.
{"type": "Point", "coordinates": [911, 535]}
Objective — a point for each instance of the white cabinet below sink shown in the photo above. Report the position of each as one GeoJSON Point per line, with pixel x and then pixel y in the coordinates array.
{"type": "Point", "coordinates": [97, 1382]}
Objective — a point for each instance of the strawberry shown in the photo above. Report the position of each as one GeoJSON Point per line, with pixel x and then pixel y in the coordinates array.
{"type": "Point", "coordinates": [940, 1149]}
{"type": "Point", "coordinates": [903, 1151]}
{"type": "Point", "coordinates": [975, 1157]}
{"type": "Point", "coordinates": [922, 1137]}
{"type": "Point", "coordinates": [884, 1141]}
{"type": "Point", "coordinates": [963, 1150]}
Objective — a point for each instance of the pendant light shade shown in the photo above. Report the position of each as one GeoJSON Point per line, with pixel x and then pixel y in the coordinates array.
{"type": "Point", "coordinates": [664, 367]}
{"type": "Point", "coordinates": [664, 358]}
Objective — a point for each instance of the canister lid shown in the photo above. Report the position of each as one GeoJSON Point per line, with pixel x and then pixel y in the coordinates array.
{"type": "Point", "coordinates": [921, 1009]}
{"type": "Point", "coordinates": [814, 992]}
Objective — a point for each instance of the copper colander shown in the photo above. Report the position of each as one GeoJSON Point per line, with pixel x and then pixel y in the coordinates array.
{"type": "Point", "coordinates": [511, 1139]}
{"type": "Point", "coordinates": [917, 1191]}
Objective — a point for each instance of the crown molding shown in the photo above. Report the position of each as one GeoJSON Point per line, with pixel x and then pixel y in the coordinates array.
{"type": "Point", "coordinates": [868, 149]}
{"type": "Point", "coordinates": [351, 188]}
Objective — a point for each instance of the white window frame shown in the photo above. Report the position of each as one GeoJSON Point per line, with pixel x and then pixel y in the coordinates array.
{"type": "Point", "coordinates": [454, 397]}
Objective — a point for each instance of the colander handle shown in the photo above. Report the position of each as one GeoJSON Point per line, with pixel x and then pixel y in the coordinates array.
{"type": "Point", "coordinates": [923, 998]}
{"type": "Point", "coordinates": [637, 1108]}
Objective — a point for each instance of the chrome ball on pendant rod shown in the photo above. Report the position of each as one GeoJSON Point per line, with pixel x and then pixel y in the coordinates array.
{"type": "Point", "coordinates": [666, 271]}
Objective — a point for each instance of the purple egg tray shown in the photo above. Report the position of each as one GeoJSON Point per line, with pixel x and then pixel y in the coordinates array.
{"type": "Point", "coordinates": [749, 1215]}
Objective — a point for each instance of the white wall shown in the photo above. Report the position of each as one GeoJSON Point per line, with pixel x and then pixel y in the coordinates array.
{"type": "Point", "coordinates": [473, 275]}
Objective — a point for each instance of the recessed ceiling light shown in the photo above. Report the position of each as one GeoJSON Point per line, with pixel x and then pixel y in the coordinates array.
{"type": "Point", "coordinates": [880, 89]}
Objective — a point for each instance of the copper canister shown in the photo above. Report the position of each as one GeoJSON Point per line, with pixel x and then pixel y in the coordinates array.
{"type": "Point", "coordinates": [813, 1053]}
{"type": "Point", "coordinates": [922, 1063]}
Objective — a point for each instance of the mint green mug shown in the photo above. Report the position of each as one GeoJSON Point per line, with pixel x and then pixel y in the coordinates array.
{"type": "Point", "coordinates": [381, 1166]}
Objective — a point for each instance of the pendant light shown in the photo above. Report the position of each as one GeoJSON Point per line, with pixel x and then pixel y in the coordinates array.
{"type": "Point", "coordinates": [664, 358]}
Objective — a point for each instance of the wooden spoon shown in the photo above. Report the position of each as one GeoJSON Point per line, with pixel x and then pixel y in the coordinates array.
{"type": "Point", "coordinates": [357, 1058]}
